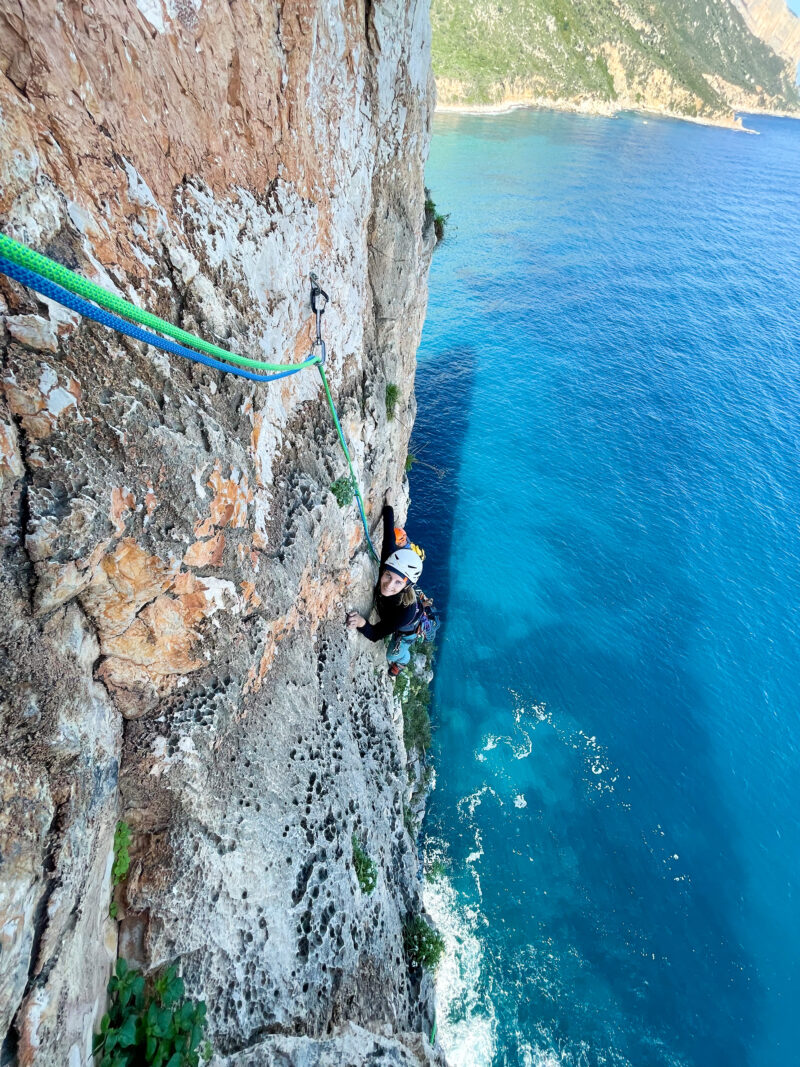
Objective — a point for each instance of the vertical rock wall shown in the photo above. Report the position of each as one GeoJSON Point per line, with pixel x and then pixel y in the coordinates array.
{"type": "Point", "coordinates": [175, 567]}
{"type": "Point", "coordinates": [776, 25]}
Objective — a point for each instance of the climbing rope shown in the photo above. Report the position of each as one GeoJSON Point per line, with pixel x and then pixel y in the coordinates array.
{"type": "Point", "coordinates": [73, 291]}
{"type": "Point", "coordinates": [319, 301]}
{"type": "Point", "coordinates": [354, 480]}
{"type": "Point", "coordinates": [105, 318]}
{"type": "Point", "coordinates": [25, 257]}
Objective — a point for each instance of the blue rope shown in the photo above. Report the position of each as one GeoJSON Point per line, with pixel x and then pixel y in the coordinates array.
{"type": "Point", "coordinates": [105, 318]}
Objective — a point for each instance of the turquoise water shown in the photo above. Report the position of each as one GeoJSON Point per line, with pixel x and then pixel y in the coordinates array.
{"type": "Point", "coordinates": [609, 494]}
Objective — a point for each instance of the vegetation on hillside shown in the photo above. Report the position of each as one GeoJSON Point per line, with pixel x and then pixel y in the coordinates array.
{"type": "Point", "coordinates": [565, 48]}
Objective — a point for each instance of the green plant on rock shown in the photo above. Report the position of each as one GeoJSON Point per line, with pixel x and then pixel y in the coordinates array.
{"type": "Point", "coordinates": [392, 396]}
{"type": "Point", "coordinates": [434, 871]}
{"type": "Point", "coordinates": [415, 697]}
{"type": "Point", "coordinates": [122, 860]}
{"type": "Point", "coordinates": [365, 867]}
{"type": "Point", "coordinates": [154, 1025]}
{"type": "Point", "coordinates": [342, 489]}
{"type": "Point", "coordinates": [423, 944]}
{"type": "Point", "coordinates": [411, 459]}
{"type": "Point", "coordinates": [432, 214]}
{"type": "Point", "coordinates": [410, 822]}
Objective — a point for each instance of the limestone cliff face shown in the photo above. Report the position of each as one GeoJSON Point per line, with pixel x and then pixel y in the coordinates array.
{"type": "Point", "coordinates": [776, 25]}
{"type": "Point", "coordinates": [175, 567]}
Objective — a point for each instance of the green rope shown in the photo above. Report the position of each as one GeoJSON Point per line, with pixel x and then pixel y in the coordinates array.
{"type": "Point", "coordinates": [346, 451]}
{"type": "Point", "coordinates": [48, 268]}
{"type": "Point", "coordinates": [44, 267]}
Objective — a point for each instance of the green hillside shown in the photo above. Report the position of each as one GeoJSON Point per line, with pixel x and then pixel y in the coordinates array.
{"type": "Point", "coordinates": [650, 53]}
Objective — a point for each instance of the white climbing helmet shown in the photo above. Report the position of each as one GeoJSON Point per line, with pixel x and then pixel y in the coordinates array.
{"type": "Point", "coordinates": [406, 563]}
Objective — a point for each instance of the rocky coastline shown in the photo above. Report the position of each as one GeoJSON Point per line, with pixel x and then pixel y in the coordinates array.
{"type": "Point", "coordinates": [610, 109]}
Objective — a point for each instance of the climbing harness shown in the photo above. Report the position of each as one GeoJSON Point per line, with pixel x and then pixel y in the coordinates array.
{"type": "Point", "coordinates": [55, 282]}
{"type": "Point", "coordinates": [428, 619]}
{"type": "Point", "coordinates": [425, 624]}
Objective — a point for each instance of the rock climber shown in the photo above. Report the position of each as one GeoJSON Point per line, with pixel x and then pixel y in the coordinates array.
{"type": "Point", "coordinates": [395, 595]}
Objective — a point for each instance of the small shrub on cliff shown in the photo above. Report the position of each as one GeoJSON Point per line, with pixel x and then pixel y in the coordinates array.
{"type": "Point", "coordinates": [150, 1025]}
{"type": "Point", "coordinates": [365, 867]}
{"type": "Point", "coordinates": [410, 822]}
{"type": "Point", "coordinates": [415, 697]}
{"type": "Point", "coordinates": [432, 214]}
{"type": "Point", "coordinates": [122, 861]}
{"type": "Point", "coordinates": [424, 946]}
{"type": "Point", "coordinates": [342, 489]}
{"type": "Point", "coordinates": [435, 870]}
{"type": "Point", "coordinates": [392, 395]}
{"type": "Point", "coordinates": [411, 459]}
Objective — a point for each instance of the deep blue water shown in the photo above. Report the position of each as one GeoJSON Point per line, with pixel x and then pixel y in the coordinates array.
{"type": "Point", "coordinates": [609, 391]}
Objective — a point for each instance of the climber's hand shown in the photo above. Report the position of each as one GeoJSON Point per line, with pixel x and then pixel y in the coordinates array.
{"type": "Point", "coordinates": [354, 620]}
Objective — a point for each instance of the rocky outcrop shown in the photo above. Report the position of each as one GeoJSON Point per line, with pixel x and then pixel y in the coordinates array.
{"type": "Point", "coordinates": [776, 25]}
{"type": "Point", "coordinates": [354, 1045]}
{"type": "Point", "coordinates": [175, 566]}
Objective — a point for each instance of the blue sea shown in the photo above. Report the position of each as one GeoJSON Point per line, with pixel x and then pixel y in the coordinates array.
{"type": "Point", "coordinates": [608, 490]}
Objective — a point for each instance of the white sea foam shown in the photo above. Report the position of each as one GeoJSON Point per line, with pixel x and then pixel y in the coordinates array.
{"type": "Point", "coordinates": [465, 1014]}
{"type": "Point", "coordinates": [562, 1053]}
{"type": "Point", "coordinates": [600, 775]}
{"type": "Point", "coordinates": [467, 805]}
{"type": "Point", "coordinates": [533, 1056]}
{"type": "Point", "coordinates": [520, 741]}
{"type": "Point", "coordinates": [520, 801]}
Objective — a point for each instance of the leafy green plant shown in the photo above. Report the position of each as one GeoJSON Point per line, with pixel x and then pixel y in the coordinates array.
{"type": "Point", "coordinates": [435, 870]}
{"type": "Point", "coordinates": [342, 489]}
{"type": "Point", "coordinates": [122, 859]}
{"type": "Point", "coordinates": [157, 1026]}
{"type": "Point", "coordinates": [365, 867]}
{"type": "Point", "coordinates": [432, 214]}
{"type": "Point", "coordinates": [392, 395]}
{"type": "Point", "coordinates": [423, 944]}
{"type": "Point", "coordinates": [411, 459]}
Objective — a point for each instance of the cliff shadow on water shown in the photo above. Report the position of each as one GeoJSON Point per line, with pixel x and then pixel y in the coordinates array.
{"type": "Point", "coordinates": [660, 938]}
{"type": "Point", "coordinates": [641, 929]}
{"type": "Point", "coordinates": [444, 388]}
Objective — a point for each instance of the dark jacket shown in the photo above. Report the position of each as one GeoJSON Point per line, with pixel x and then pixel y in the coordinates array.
{"type": "Point", "coordinates": [394, 616]}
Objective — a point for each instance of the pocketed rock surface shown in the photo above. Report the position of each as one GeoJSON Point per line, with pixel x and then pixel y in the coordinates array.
{"type": "Point", "coordinates": [175, 567]}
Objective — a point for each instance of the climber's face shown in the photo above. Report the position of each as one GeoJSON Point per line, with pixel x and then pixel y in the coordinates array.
{"type": "Point", "coordinates": [392, 582]}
